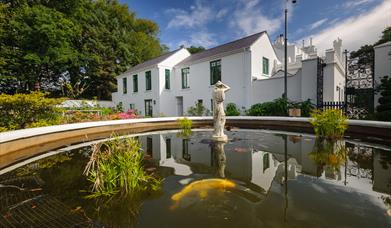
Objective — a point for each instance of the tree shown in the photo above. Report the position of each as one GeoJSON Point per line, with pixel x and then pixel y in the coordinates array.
{"type": "Point", "coordinates": [365, 54]}
{"type": "Point", "coordinates": [71, 46]}
{"type": "Point", "coordinates": [194, 49]}
{"type": "Point", "coordinates": [384, 108]}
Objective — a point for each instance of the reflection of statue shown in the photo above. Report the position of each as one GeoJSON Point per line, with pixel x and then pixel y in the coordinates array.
{"type": "Point", "coordinates": [218, 149]}
{"type": "Point", "coordinates": [218, 111]}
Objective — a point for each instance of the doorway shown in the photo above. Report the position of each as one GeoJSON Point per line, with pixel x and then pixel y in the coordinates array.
{"type": "Point", "coordinates": [179, 103]}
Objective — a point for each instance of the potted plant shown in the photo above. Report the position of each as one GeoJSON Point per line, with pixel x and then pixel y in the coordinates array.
{"type": "Point", "coordinates": [294, 109]}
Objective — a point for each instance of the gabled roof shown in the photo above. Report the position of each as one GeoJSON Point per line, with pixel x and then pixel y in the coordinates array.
{"type": "Point", "coordinates": [231, 46]}
{"type": "Point", "coordinates": [152, 62]}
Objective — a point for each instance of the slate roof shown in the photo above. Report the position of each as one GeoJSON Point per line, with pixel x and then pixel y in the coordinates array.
{"type": "Point", "coordinates": [231, 46]}
{"type": "Point", "coordinates": [152, 62]}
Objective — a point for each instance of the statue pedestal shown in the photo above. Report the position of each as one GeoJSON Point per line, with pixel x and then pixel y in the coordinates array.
{"type": "Point", "coordinates": [220, 138]}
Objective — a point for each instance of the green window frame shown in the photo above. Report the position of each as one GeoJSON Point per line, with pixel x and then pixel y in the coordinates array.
{"type": "Point", "coordinates": [167, 79]}
{"type": "Point", "coordinates": [148, 107]}
{"type": "Point", "coordinates": [135, 83]}
{"type": "Point", "coordinates": [148, 80]}
{"type": "Point", "coordinates": [185, 78]}
{"type": "Point", "coordinates": [215, 71]}
{"type": "Point", "coordinates": [124, 85]}
{"type": "Point", "coordinates": [168, 148]}
{"type": "Point", "coordinates": [265, 66]}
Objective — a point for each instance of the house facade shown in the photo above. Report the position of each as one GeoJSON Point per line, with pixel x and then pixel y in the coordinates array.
{"type": "Point", "coordinates": [251, 66]}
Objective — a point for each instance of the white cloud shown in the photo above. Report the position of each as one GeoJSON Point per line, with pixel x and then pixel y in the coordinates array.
{"type": "Point", "coordinates": [201, 38]}
{"type": "Point", "coordinates": [197, 16]}
{"type": "Point", "coordinates": [318, 23]}
{"type": "Point", "coordinates": [221, 13]}
{"type": "Point", "coordinates": [248, 18]}
{"type": "Point", "coordinates": [355, 31]}
{"type": "Point", "coordinates": [355, 3]}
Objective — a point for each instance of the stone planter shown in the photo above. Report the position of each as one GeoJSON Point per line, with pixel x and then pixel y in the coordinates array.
{"type": "Point", "coordinates": [294, 112]}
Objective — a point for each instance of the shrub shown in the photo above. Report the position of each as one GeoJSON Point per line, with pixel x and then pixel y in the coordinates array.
{"type": "Point", "coordinates": [278, 107]}
{"type": "Point", "coordinates": [384, 108]}
{"type": "Point", "coordinates": [198, 110]}
{"type": "Point", "coordinates": [185, 125]}
{"type": "Point", "coordinates": [329, 124]}
{"type": "Point", "coordinates": [20, 110]}
{"type": "Point", "coordinates": [116, 166]}
{"type": "Point", "coordinates": [232, 110]}
{"type": "Point", "coordinates": [306, 108]}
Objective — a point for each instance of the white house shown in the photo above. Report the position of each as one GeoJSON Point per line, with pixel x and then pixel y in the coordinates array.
{"type": "Point", "coordinates": [252, 66]}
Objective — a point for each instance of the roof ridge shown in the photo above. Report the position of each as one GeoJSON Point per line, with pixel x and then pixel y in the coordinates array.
{"type": "Point", "coordinates": [246, 37]}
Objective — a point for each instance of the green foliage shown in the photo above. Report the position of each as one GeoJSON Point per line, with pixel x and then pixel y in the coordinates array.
{"type": "Point", "coordinates": [329, 124]}
{"type": "Point", "coordinates": [185, 125]}
{"type": "Point", "coordinates": [21, 110]}
{"type": "Point", "coordinates": [330, 153]}
{"type": "Point", "coordinates": [384, 108]}
{"type": "Point", "coordinates": [194, 49]}
{"type": "Point", "coordinates": [198, 110]}
{"type": "Point", "coordinates": [71, 48]}
{"type": "Point", "coordinates": [116, 167]}
{"type": "Point", "coordinates": [232, 110]}
{"type": "Point", "coordinates": [277, 107]}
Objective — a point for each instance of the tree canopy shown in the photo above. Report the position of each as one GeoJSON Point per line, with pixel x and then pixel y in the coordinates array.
{"type": "Point", "coordinates": [194, 49]}
{"type": "Point", "coordinates": [71, 47]}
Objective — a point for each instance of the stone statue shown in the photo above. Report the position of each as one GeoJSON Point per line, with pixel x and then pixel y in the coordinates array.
{"type": "Point", "coordinates": [218, 111]}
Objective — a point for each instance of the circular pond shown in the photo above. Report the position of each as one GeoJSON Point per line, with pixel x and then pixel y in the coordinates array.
{"type": "Point", "coordinates": [258, 179]}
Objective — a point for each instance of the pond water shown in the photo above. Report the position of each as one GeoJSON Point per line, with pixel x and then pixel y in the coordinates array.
{"type": "Point", "coordinates": [257, 179]}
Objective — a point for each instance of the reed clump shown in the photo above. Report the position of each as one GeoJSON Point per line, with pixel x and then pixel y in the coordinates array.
{"type": "Point", "coordinates": [116, 167]}
{"type": "Point", "coordinates": [329, 124]}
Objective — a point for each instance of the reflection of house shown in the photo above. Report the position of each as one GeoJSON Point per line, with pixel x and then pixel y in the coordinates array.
{"type": "Point", "coordinates": [381, 172]}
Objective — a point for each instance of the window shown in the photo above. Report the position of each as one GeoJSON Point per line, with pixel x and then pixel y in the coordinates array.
{"type": "Point", "coordinates": [132, 106]}
{"type": "Point", "coordinates": [149, 146]}
{"type": "Point", "coordinates": [185, 78]}
{"type": "Point", "coordinates": [167, 77]}
{"type": "Point", "coordinates": [215, 71]}
{"type": "Point", "coordinates": [185, 150]}
{"type": "Point", "coordinates": [168, 148]}
{"type": "Point", "coordinates": [266, 162]}
{"type": "Point", "coordinates": [265, 66]}
{"type": "Point", "coordinates": [148, 108]}
{"type": "Point", "coordinates": [124, 85]}
{"type": "Point", "coordinates": [148, 82]}
{"type": "Point", "coordinates": [135, 83]}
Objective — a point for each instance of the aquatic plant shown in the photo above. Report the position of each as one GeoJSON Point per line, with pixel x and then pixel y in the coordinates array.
{"type": "Point", "coordinates": [330, 123]}
{"type": "Point", "coordinates": [185, 125]}
{"type": "Point", "coordinates": [329, 152]}
{"type": "Point", "coordinates": [116, 166]}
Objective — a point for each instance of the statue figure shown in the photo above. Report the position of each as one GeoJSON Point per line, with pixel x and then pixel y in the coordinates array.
{"type": "Point", "coordinates": [218, 111]}
{"type": "Point", "coordinates": [218, 150]}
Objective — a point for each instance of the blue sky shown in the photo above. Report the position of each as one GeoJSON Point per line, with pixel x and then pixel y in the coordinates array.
{"type": "Point", "coordinates": [212, 22]}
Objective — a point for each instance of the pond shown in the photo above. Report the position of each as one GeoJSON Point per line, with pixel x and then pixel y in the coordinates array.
{"type": "Point", "coordinates": [258, 179]}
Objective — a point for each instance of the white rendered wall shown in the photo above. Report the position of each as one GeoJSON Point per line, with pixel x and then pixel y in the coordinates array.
{"type": "Point", "coordinates": [157, 94]}
{"type": "Point", "coordinates": [309, 80]}
{"type": "Point", "coordinates": [232, 73]}
{"type": "Point", "coordinates": [334, 75]}
{"type": "Point", "coordinates": [382, 65]}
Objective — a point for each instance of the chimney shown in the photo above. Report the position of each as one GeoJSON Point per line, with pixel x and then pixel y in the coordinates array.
{"type": "Point", "coordinates": [310, 41]}
{"type": "Point", "coordinates": [303, 43]}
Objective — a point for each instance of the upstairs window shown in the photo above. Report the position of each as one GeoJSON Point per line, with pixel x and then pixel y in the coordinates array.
{"type": "Point", "coordinates": [185, 78]}
{"type": "Point", "coordinates": [167, 79]}
{"type": "Point", "coordinates": [135, 83]}
{"type": "Point", "coordinates": [124, 85]}
{"type": "Point", "coordinates": [265, 66]}
{"type": "Point", "coordinates": [215, 71]}
{"type": "Point", "coordinates": [148, 81]}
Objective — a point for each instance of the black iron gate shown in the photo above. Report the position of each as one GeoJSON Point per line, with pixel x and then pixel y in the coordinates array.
{"type": "Point", "coordinates": [359, 89]}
